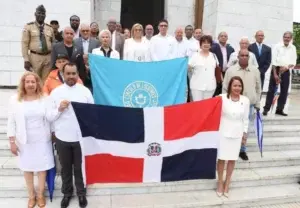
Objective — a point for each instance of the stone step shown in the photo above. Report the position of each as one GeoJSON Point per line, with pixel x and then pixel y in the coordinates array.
{"type": "Point", "coordinates": [9, 165]}
{"type": "Point", "coordinates": [269, 144]}
{"type": "Point", "coordinates": [289, 205]}
{"type": "Point", "coordinates": [251, 177]}
{"type": "Point", "coordinates": [239, 198]}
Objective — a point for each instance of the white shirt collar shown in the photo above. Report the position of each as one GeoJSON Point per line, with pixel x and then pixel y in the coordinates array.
{"type": "Point", "coordinates": [85, 40]}
{"type": "Point", "coordinates": [282, 44]}
{"type": "Point", "coordinates": [164, 36]}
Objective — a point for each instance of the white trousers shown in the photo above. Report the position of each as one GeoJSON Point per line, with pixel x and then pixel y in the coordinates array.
{"type": "Point", "coordinates": [198, 95]}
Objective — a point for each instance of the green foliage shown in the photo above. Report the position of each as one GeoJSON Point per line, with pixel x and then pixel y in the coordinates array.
{"type": "Point", "coordinates": [297, 39]}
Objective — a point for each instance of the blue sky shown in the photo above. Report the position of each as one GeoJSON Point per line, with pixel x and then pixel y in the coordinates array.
{"type": "Point", "coordinates": [296, 10]}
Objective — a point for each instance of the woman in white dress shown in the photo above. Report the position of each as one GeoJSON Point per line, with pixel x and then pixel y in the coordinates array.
{"type": "Point", "coordinates": [233, 127]}
{"type": "Point", "coordinates": [105, 48]}
{"type": "Point", "coordinates": [136, 48]}
{"type": "Point", "coordinates": [30, 136]}
{"type": "Point", "coordinates": [202, 67]}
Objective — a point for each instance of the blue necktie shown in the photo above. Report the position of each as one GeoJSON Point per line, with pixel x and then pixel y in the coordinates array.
{"type": "Point", "coordinates": [259, 50]}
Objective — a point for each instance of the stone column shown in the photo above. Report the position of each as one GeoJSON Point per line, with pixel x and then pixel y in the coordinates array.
{"type": "Point", "coordinates": [103, 10]}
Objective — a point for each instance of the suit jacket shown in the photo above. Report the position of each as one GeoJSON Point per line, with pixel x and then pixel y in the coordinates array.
{"type": "Point", "coordinates": [216, 49]}
{"type": "Point", "coordinates": [119, 43]}
{"type": "Point", "coordinates": [59, 48]}
{"type": "Point", "coordinates": [264, 60]}
{"type": "Point", "coordinates": [93, 43]}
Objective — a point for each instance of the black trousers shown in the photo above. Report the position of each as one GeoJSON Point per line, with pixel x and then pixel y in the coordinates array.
{"type": "Point", "coordinates": [189, 90]}
{"type": "Point", "coordinates": [262, 79]}
{"type": "Point", "coordinates": [284, 88]}
{"type": "Point", "coordinates": [70, 158]}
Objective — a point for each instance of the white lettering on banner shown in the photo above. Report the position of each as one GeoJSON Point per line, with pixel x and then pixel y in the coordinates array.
{"type": "Point", "coordinates": [140, 94]}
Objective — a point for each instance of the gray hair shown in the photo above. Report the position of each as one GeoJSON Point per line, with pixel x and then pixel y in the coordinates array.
{"type": "Point", "coordinates": [105, 31]}
{"type": "Point", "coordinates": [288, 33]}
{"type": "Point", "coordinates": [245, 38]}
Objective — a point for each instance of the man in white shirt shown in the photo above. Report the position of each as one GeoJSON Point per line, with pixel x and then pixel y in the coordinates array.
{"type": "Point", "coordinates": [284, 58]}
{"type": "Point", "coordinates": [68, 134]}
{"type": "Point", "coordinates": [180, 45]}
{"type": "Point", "coordinates": [244, 44]}
{"type": "Point", "coordinates": [194, 45]}
{"type": "Point", "coordinates": [161, 44]}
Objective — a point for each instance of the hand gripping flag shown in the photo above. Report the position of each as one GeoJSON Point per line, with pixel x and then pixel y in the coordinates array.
{"type": "Point", "coordinates": [138, 84]}
{"type": "Point", "coordinates": [159, 144]}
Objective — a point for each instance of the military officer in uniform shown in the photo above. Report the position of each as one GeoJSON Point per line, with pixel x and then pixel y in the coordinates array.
{"type": "Point", "coordinates": [37, 42]}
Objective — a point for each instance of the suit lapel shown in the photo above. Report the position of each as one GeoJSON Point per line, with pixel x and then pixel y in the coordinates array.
{"type": "Point", "coordinates": [255, 49]}
{"type": "Point", "coordinates": [90, 45]}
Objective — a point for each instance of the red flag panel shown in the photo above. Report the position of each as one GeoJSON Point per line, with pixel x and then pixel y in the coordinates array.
{"type": "Point", "coordinates": [186, 120]}
{"type": "Point", "coordinates": [105, 168]}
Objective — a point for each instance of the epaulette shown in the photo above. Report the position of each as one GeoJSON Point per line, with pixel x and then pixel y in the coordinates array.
{"type": "Point", "coordinates": [48, 24]}
{"type": "Point", "coordinates": [30, 23]}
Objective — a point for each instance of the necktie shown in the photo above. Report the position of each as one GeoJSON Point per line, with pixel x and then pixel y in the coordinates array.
{"type": "Point", "coordinates": [43, 39]}
{"type": "Point", "coordinates": [259, 50]}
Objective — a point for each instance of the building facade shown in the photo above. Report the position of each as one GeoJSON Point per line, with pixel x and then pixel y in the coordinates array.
{"type": "Point", "coordinates": [238, 18]}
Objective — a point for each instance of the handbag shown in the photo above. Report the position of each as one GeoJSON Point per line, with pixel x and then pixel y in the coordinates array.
{"type": "Point", "coordinates": [218, 71]}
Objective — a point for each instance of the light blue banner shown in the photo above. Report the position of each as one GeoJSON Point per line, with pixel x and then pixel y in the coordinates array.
{"type": "Point", "coordinates": [138, 84]}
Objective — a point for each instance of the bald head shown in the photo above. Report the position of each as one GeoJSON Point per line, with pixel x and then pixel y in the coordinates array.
{"type": "Point", "coordinates": [112, 24]}
{"type": "Point", "coordinates": [179, 34]}
{"type": "Point", "coordinates": [85, 31]}
{"type": "Point", "coordinates": [259, 36]}
{"type": "Point", "coordinates": [68, 35]}
{"type": "Point", "coordinates": [197, 33]}
{"type": "Point", "coordinates": [243, 58]}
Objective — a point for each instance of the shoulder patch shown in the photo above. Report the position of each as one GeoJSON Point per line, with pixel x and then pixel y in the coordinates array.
{"type": "Point", "coordinates": [30, 23]}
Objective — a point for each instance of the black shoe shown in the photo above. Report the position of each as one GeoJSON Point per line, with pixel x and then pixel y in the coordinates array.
{"type": "Point", "coordinates": [265, 113]}
{"type": "Point", "coordinates": [65, 201]}
{"type": "Point", "coordinates": [244, 156]}
{"type": "Point", "coordinates": [82, 201]}
{"type": "Point", "coordinates": [280, 112]}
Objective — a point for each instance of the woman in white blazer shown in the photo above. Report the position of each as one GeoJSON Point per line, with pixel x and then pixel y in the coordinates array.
{"type": "Point", "coordinates": [233, 127]}
{"type": "Point", "coordinates": [136, 48]}
{"type": "Point", "coordinates": [105, 48]}
{"type": "Point", "coordinates": [30, 136]}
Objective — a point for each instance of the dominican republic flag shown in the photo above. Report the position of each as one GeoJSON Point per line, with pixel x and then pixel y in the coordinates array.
{"type": "Point", "coordinates": [157, 144]}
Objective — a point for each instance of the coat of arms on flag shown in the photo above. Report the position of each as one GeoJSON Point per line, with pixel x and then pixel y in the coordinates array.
{"type": "Point", "coordinates": [157, 144]}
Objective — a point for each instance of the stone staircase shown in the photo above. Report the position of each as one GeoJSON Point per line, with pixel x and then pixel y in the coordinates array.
{"type": "Point", "coordinates": [270, 181]}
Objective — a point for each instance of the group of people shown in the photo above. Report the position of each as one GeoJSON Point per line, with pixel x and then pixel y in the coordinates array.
{"type": "Point", "coordinates": [58, 73]}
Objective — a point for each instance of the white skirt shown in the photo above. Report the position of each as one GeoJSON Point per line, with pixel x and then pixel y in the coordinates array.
{"type": "Point", "coordinates": [229, 148]}
{"type": "Point", "coordinates": [35, 157]}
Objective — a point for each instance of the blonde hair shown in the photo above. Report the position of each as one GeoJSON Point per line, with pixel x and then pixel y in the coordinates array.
{"type": "Point", "coordinates": [135, 26]}
{"type": "Point", "coordinates": [21, 87]}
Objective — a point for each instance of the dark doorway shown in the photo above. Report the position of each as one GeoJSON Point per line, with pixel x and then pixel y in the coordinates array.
{"type": "Point", "coordinates": [143, 12]}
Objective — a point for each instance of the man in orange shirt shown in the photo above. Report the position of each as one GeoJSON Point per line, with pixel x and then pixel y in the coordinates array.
{"type": "Point", "coordinates": [55, 78]}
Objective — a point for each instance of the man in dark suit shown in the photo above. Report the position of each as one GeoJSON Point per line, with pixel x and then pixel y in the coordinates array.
{"type": "Point", "coordinates": [223, 52]}
{"type": "Point", "coordinates": [117, 38]}
{"type": "Point", "coordinates": [75, 52]}
{"type": "Point", "coordinates": [66, 47]}
{"type": "Point", "coordinates": [263, 54]}
{"type": "Point", "coordinates": [85, 44]}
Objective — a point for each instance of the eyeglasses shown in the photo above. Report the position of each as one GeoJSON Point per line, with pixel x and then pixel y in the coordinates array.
{"type": "Point", "coordinates": [137, 30]}
{"type": "Point", "coordinates": [85, 31]}
{"type": "Point", "coordinates": [163, 25]}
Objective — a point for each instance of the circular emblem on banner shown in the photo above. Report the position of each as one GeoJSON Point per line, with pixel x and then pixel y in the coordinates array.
{"type": "Point", "coordinates": [154, 149]}
{"type": "Point", "coordinates": [140, 94]}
